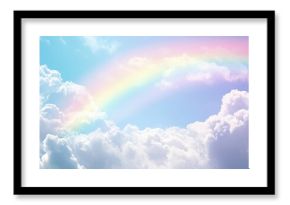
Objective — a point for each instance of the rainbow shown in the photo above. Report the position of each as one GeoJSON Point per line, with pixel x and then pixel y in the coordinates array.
{"type": "Point", "coordinates": [143, 67]}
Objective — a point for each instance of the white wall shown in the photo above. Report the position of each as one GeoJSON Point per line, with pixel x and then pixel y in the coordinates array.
{"type": "Point", "coordinates": [282, 99]}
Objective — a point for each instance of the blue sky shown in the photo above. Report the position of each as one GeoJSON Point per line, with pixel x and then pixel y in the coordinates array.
{"type": "Point", "coordinates": [75, 60]}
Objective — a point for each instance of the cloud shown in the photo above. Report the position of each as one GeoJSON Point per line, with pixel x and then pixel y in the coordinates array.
{"type": "Point", "coordinates": [221, 141]}
{"type": "Point", "coordinates": [55, 90]}
{"type": "Point", "coordinates": [64, 98]}
{"type": "Point", "coordinates": [57, 154]}
{"type": "Point", "coordinates": [233, 101]}
{"type": "Point", "coordinates": [50, 80]}
{"type": "Point", "coordinates": [100, 43]}
{"type": "Point", "coordinates": [95, 150]}
{"type": "Point", "coordinates": [51, 120]}
{"type": "Point", "coordinates": [229, 149]}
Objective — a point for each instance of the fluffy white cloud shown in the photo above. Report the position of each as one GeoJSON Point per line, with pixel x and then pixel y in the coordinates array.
{"type": "Point", "coordinates": [233, 101]}
{"type": "Point", "coordinates": [57, 154]}
{"type": "Point", "coordinates": [54, 90]}
{"type": "Point", "coordinates": [229, 149]}
{"type": "Point", "coordinates": [51, 119]}
{"type": "Point", "coordinates": [50, 80]}
{"type": "Point", "coordinates": [221, 141]}
{"type": "Point", "coordinates": [100, 43]}
{"type": "Point", "coordinates": [60, 101]}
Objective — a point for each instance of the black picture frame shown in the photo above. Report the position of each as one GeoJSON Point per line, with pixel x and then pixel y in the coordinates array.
{"type": "Point", "coordinates": [19, 189]}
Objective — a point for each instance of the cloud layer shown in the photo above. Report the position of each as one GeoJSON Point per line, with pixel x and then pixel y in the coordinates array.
{"type": "Point", "coordinates": [221, 141]}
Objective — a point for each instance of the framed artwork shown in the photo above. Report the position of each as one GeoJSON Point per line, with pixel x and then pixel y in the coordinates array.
{"type": "Point", "coordinates": [144, 102]}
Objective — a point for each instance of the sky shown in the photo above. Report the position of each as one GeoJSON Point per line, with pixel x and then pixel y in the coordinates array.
{"type": "Point", "coordinates": [169, 101]}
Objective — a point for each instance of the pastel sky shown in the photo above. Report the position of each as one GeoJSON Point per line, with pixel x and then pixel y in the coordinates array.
{"type": "Point", "coordinates": [105, 100]}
